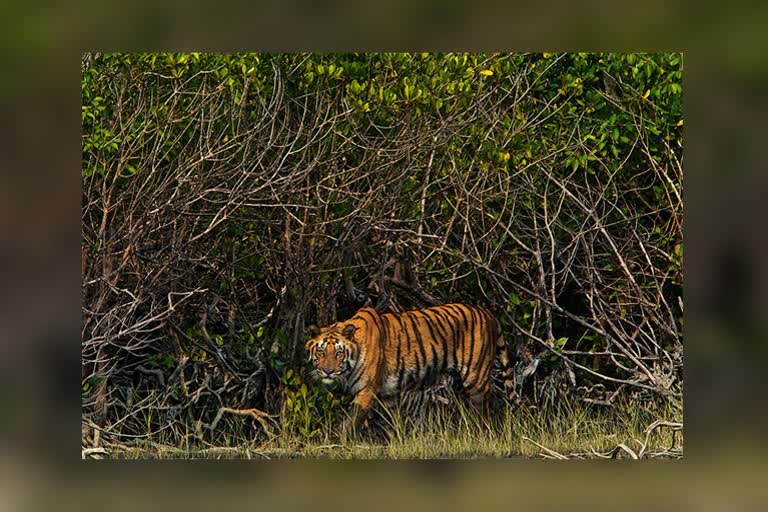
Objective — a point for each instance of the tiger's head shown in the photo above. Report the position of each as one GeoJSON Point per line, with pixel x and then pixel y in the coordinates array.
{"type": "Point", "coordinates": [332, 351]}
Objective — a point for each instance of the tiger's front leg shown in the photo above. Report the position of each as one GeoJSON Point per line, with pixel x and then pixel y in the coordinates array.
{"type": "Point", "coordinates": [361, 406]}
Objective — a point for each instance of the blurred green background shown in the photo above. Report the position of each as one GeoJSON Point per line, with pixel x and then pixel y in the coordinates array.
{"type": "Point", "coordinates": [725, 284]}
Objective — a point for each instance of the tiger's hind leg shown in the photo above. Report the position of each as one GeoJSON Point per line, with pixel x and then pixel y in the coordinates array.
{"type": "Point", "coordinates": [478, 396]}
{"type": "Point", "coordinates": [477, 381]}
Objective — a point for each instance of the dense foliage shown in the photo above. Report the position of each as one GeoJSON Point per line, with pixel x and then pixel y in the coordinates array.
{"type": "Point", "coordinates": [231, 200]}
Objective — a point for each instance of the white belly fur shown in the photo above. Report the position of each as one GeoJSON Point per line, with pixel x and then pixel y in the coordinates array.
{"type": "Point", "coordinates": [389, 386]}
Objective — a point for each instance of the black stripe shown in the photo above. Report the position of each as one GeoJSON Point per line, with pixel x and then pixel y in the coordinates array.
{"type": "Point", "coordinates": [397, 329]}
{"type": "Point", "coordinates": [412, 318]}
{"type": "Point", "coordinates": [433, 371]}
{"type": "Point", "coordinates": [460, 339]}
{"type": "Point", "coordinates": [442, 335]}
{"type": "Point", "coordinates": [361, 364]}
{"type": "Point", "coordinates": [397, 339]}
{"type": "Point", "coordinates": [403, 334]}
{"type": "Point", "coordinates": [430, 355]}
{"type": "Point", "coordinates": [359, 371]}
{"type": "Point", "coordinates": [471, 334]}
{"type": "Point", "coordinates": [424, 343]}
{"type": "Point", "coordinates": [410, 378]}
{"type": "Point", "coordinates": [480, 376]}
{"type": "Point", "coordinates": [486, 336]}
{"type": "Point", "coordinates": [439, 322]}
{"type": "Point", "coordinates": [376, 318]}
{"type": "Point", "coordinates": [489, 363]}
{"type": "Point", "coordinates": [434, 363]}
{"type": "Point", "coordinates": [472, 357]}
{"type": "Point", "coordinates": [489, 360]}
{"type": "Point", "coordinates": [480, 357]}
{"type": "Point", "coordinates": [449, 346]}
{"type": "Point", "coordinates": [486, 360]}
{"type": "Point", "coordinates": [398, 385]}
{"type": "Point", "coordinates": [406, 355]}
{"type": "Point", "coordinates": [415, 376]}
{"type": "Point", "coordinates": [351, 384]}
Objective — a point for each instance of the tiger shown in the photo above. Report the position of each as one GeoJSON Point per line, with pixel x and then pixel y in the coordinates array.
{"type": "Point", "coordinates": [381, 356]}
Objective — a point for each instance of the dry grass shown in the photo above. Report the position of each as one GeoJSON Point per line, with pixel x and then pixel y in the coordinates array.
{"type": "Point", "coordinates": [626, 430]}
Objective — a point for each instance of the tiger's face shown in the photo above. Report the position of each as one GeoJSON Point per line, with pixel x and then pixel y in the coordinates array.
{"type": "Point", "coordinates": [331, 352]}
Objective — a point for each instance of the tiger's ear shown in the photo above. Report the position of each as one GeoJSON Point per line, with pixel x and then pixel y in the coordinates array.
{"type": "Point", "coordinates": [313, 330]}
{"type": "Point", "coordinates": [348, 331]}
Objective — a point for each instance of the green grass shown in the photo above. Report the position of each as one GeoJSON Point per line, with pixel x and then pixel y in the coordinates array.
{"type": "Point", "coordinates": [577, 430]}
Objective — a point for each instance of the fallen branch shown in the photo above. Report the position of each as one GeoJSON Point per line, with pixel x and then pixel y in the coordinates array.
{"type": "Point", "coordinates": [91, 452]}
{"type": "Point", "coordinates": [553, 453]}
{"type": "Point", "coordinates": [261, 417]}
{"type": "Point", "coordinates": [672, 425]}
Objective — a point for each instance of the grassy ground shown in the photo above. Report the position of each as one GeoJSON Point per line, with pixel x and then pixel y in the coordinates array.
{"type": "Point", "coordinates": [626, 430]}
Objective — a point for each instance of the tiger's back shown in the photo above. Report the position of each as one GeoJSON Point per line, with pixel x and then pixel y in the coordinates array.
{"type": "Point", "coordinates": [422, 346]}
